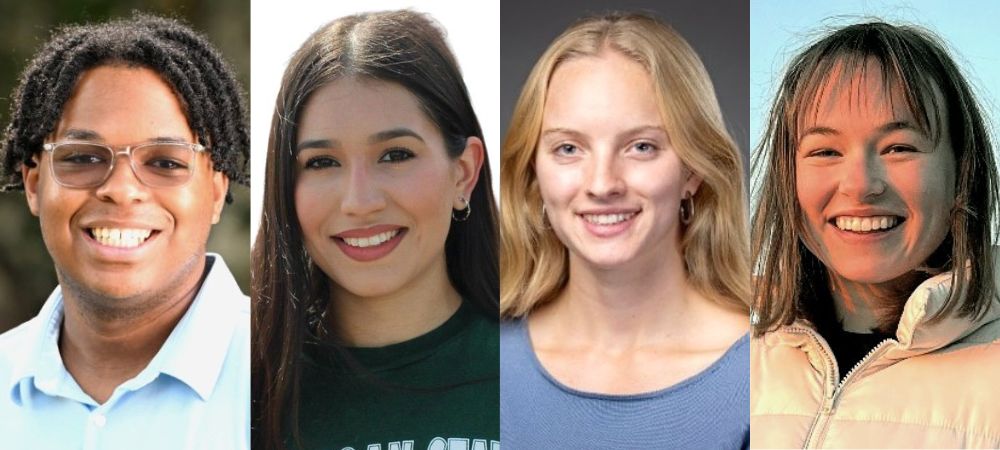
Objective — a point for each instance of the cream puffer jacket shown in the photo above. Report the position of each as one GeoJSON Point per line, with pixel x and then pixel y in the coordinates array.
{"type": "Point", "coordinates": [937, 385]}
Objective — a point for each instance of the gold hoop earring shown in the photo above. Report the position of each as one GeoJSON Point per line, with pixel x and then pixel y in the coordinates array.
{"type": "Point", "coordinates": [687, 209]}
{"type": "Point", "coordinates": [461, 215]}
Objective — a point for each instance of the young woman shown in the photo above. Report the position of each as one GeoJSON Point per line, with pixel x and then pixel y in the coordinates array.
{"type": "Point", "coordinates": [375, 280]}
{"type": "Point", "coordinates": [624, 270]}
{"type": "Point", "coordinates": [875, 298]}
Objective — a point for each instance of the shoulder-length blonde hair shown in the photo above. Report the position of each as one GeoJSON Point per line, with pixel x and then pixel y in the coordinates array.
{"type": "Point", "coordinates": [533, 262]}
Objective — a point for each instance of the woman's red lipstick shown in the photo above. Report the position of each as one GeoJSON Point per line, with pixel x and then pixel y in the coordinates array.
{"type": "Point", "coordinates": [369, 244]}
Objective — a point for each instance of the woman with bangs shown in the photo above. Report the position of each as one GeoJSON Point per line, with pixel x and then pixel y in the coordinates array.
{"type": "Point", "coordinates": [624, 263]}
{"type": "Point", "coordinates": [876, 316]}
{"type": "Point", "coordinates": [375, 284]}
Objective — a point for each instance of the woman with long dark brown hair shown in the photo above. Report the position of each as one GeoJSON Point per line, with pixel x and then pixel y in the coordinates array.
{"type": "Point", "coordinates": [375, 281]}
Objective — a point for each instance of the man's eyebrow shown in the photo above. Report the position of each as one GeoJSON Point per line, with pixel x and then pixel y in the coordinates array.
{"type": "Point", "coordinates": [394, 133]}
{"type": "Point", "coordinates": [80, 134]}
{"type": "Point", "coordinates": [167, 139]}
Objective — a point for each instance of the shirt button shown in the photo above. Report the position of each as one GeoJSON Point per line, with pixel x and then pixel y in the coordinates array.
{"type": "Point", "coordinates": [99, 420]}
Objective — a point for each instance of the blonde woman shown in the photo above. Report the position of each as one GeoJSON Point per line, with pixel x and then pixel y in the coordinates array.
{"type": "Point", "coordinates": [624, 263]}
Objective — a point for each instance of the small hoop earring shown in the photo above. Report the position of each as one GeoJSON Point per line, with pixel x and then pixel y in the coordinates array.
{"type": "Point", "coordinates": [687, 209]}
{"type": "Point", "coordinates": [461, 215]}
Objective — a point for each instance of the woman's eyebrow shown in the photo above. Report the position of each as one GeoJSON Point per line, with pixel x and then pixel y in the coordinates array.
{"type": "Point", "coordinates": [394, 133]}
{"type": "Point", "coordinates": [643, 129]}
{"type": "Point", "coordinates": [561, 131]}
{"type": "Point", "coordinates": [820, 130]}
{"type": "Point", "coordinates": [381, 136]}
{"type": "Point", "coordinates": [317, 143]}
{"type": "Point", "coordinates": [899, 125]}
{"type": "Point", "coordinates": [886, 128]}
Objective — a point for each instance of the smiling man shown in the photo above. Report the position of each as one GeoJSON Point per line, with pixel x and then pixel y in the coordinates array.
{"type": "Point", "coordinates": [124, 138]}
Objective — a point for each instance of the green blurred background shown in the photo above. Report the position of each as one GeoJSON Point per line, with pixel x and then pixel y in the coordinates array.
{"type": "Point", "coordinates": [27, 276]}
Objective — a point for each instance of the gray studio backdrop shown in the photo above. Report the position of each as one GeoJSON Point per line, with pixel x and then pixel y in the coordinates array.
{"type": "Point", "coordinates": [718, 31]}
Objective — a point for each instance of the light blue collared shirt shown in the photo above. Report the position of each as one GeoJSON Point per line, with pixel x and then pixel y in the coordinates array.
{"type": "Point", "coordinates": [194, 394]}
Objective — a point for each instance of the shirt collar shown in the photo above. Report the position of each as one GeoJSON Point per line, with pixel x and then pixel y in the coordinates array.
{"type": "Point", "coordinates": [194, 353]}
{"type": "Point", "coordinates": [196, 350]}
{"type": "Point", "coordinates": [39, 340]}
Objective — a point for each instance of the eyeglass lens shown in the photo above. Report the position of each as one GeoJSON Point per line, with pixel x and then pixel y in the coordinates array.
{"type": "Point", "coordinates": [156, 165]}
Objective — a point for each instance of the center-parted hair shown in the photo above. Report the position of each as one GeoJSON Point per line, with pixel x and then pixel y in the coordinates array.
{"type": "Point", "coordinates": [290, 293]}
{"type": "Point", "coordinates": [534, 263]}
{"type": "Point", "coordinates": [789, 279]}
{"type": "Point", "coordinates": [210, 95]}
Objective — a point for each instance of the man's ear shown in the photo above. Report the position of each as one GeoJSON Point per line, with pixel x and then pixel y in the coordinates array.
{"type": "Point", "coordinates": [467, 168]}
{"type": "Point", "coordinates": [30, 177]}
{"type": "Point", "coordinates": [220, 187]}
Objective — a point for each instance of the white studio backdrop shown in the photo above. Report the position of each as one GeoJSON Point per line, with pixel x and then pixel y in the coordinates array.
{"type": "Point", "coordinates": [278, 28]}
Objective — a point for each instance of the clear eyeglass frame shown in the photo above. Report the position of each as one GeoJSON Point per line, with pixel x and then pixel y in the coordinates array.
{"type": "Point", "coordinates": [129, 150]}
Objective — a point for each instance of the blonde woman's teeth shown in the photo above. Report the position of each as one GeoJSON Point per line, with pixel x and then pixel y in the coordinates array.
{"type": "Point", "coordinates": [120, 237]}
{"type": "Point", "coordinates": [371, 241]}
{"type": "Point", "coordinates": [863, 224]}
{"type": "Point", "coordinates": [607, 219]}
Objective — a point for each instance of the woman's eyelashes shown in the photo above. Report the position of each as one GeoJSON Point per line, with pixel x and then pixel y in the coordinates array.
{"type": "Point", "coordinates": [900, 148]}
{"type": "Point", "coordinates": [643, 148]}
{"type": "Point", "coordinates": [823, 153]}
{"type": "Point", "coordinates": [393, 155]}
{"type": "Point", "coordinates": [321, 162]}
{"type": "Point", "coordinates": [397, 155]}
{"type": "Point", "coordinates": [891, 149]}
{"type": "Point", "coordinates": [567, 150]}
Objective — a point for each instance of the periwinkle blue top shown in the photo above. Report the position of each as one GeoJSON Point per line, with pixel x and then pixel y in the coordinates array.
{"type": "Point", "coordinates": [710, 410]}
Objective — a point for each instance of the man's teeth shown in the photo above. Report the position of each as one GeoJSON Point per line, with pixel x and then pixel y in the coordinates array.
{"type": "Point", "coordinates": [120, 237]}
{"type": "Point", "coordinates": [863, 224]}
{"type": "Point", "coordinates": [607, 219]}
{"type": "Point", "coordinates": [371, 241]}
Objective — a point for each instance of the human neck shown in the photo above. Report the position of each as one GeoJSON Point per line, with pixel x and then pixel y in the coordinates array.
{"type": "Point", "coordinates": [410, 311]}
{"type": "Point", "coordinates": [624, 306]}
{"type": "Point", "coordinates": [872, 307]}
{"type": "Point", "coordinates": [103, 346]}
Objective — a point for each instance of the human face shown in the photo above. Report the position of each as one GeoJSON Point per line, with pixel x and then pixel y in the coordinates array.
{"type": "Point", "coordinates": [876, 192]}
{"type": "Point", "coordinates": [608, 175]}
{"type": "Point", "coordinates": [375, 187]}
{"type": "Point", "coordinates": [119, 106]}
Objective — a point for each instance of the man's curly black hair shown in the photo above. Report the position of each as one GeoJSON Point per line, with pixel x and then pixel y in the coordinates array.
{"type": "Point", "coordinates": [205, 84]}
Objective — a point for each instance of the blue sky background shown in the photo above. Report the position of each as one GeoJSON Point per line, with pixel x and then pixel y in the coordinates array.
{"type": "Point", "coordinates": [779, 29]}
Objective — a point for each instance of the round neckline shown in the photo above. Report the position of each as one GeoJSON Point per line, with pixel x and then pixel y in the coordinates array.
{"type": "Point", "coordinates": [680, 385]}
{"type": "Point", "coordinates": [406, 352]}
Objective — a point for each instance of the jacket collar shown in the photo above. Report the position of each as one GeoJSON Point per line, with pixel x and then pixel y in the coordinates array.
{"type": "Point", "coordinates": [916, 333]}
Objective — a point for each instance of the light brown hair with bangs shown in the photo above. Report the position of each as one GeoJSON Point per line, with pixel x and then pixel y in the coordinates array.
{"type": "Point", "coordinates": [914, 62]}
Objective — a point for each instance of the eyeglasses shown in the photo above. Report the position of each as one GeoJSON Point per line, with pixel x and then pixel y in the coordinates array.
{"type": "Point", "coordinates": [156, 164]}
